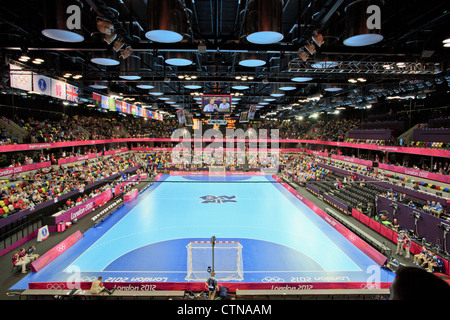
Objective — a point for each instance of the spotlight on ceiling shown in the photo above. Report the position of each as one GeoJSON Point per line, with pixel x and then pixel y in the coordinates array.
{"type": "Point", "coordinates": [303, 55]}
{"type": "Point", "coordinates": [318, 39]}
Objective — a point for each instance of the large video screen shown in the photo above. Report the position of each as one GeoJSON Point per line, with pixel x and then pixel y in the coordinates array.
{"type": "Point", "coordinates": [216, 103]}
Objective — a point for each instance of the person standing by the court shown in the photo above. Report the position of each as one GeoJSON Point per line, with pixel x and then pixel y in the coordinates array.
{"type": "Point", "coordinates": [400, 242]}
{"type": "Point", "coordinates": [212, 285]}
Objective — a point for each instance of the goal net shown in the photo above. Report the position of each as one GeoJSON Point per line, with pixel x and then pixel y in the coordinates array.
{"type": "Point", "coordinates": [216, 171]}
{"type": "Point", "coordinates": [227, 260]}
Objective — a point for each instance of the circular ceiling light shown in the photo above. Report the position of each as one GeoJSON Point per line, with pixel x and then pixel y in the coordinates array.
{"type": "Point", "coordinates": [145, 86]}
{"type": "Point", "coordinates": [332, 89]}
{"type": "Point", "coordinates": [277, 95]}
{"type": "Point", "coordinates": [62, 35]}
{"type": "Point", "coordinates": [239, 87]}
{"type": "Point", "coordinates": [164, 36]}
{"type": "Point", "coordinates": [287, 88]}
{"type": "Point", "coordinates": [192, 86]}
{"type": "Point", "coordinates": [361, 40]}
{"type": "Point", "coordinates": [265, 37]}
{"type": "Point", "coordinates": [358, 31]}
{"type": "Point", "coordinates": [301, 79]}
{"type": "Point", "coordinates": [181, 62]}
{"type": "Point", "coordinates": [105, 61]}
{"type": "Point", "coordinates": [98, 86]}
{"type": "Point", "coordinates": [252, 62]}
{"type": "Point", "coordinates": [130, 77]}
{"type": "Point", "coordinates": [270, 99]}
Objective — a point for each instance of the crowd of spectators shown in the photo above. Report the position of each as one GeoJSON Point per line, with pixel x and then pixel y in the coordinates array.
{"type": "Point", "coordinates": [30, 189]}
{"type": "Point", "coordinates": [335, 130]}
{"type": "Point", "coordinates": [304, 168]}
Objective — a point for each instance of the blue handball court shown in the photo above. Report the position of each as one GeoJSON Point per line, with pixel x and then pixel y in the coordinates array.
{"type": "Point", "coordinates": [265, 236]}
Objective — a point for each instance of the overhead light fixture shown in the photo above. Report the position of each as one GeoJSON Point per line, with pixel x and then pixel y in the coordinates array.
{"type": "Point", "coordinates": [287, 88]}
{"type": "Point", "coordinates": [301, 79]}
{"type": "Point", "coordinates": [331, 88]}
{"type": "Point", "coordinates": [264, 21]}
{"type": "Point", "coordinates": [240, 87]}
{"type": "Point", "coordinates": [192, 86]}
{"type": "Point", "coordinates": [179, 59]}
{"type": "Point", "coordinates": [166, 21]}
{"type": "Point", "coordinates": [318, 39]}
{"type": "Point", "coordinates": [105, 58]}
{"type": "Point", "coordinates": [358, 33]}
{"type": "Point", "coordinates": [99, 85]}
{"type": "Point", "coordinates": [251, 60]}
{"type": "Point", "coordinates": [130, 68]}
{"type": "Point", "coordinates": [446, 42]}
{"type": "Point", "coordinates": [56, 24]}
{"type": "Point", "coordinates": [303, 55]}
{"type": "Point", "coordinates": [157, 90]}
{"type": "Point", "coordinates": [311, 48]}
{"type": "Point", "coordinates": [145, 86]}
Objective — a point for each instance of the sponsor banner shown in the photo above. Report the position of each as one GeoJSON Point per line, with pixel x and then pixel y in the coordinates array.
{"type": "Point", "coordinates": [300, 287]}
{"type": "Point", "coordinates": [20, 79]}
{"type": "Point", "coordinates": [421, 151]}
{"type": "Point", "coordinates": [58, 89]}
{"type": "Point", "coordinates": [41, 84]}
{"type": "Point", "coordinates": [86, 207]}
{"type": "Point", "coordinates": [366, 163]}
{"type": "Point", "coordinates": [79, 158]}
{"type": "Point", "coordinates": [25, 168]}
{"type": "Point", "coordinates": [416, 173]}
{"type": "Point", "coordinates": [55, 252]}
{"type": "Point", "coordinates": [109, 152]}
{"type": "Point", "coordinates": [130, 195]}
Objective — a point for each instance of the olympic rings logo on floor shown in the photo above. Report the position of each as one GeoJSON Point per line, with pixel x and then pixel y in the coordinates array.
{"type": "Point", "coordinates": [55, 286]}
{"type": "Point", "coordinates": [272, 280]}
{"type": "Point", "coordinates": [370, 285]}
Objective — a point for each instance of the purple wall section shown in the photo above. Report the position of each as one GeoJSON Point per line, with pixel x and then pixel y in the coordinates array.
{"type": "Point", "coordinates": [427, 224]}
{"type": "Point", "coordinates": [432, 135]}
{"type": "Point", "coordinates": [375, 134]}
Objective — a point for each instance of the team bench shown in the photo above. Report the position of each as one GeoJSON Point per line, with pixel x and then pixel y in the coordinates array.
{"type": "Point", "coordinates": [86, 294]}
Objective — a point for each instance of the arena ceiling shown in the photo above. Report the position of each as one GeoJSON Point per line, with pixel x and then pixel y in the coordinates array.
{"type": "Point", "coordinates": [411, 58]}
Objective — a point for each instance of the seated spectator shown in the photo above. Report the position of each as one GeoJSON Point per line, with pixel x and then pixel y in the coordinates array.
{"type": "Point", "coordinates": [420, 257]}
{"type": "Point", "coordinates": [18, 261]}
{"type": "Point", "coordinates": [437, 210]}
{"type": "Point", "coordinates": [411, 204]}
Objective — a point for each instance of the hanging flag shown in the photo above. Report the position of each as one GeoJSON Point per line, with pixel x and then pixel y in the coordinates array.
{"type": "Point", "coordinates": [41, 84]}
{"type": "Point", "coordinates": [58, 89]}
{"type": "Point", "coordinates": [97, 99]}
{"type": "Point", "coordinates": [20, 79]}
{"type": "Point", "coordinates": [71, 93]}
